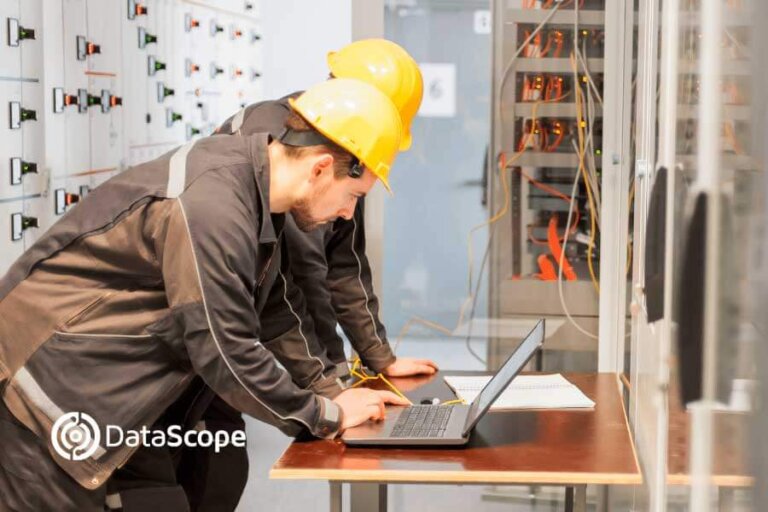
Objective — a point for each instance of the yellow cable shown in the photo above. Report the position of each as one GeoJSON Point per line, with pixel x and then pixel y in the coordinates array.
{"type": "Point", "coordinates": [583, 170]}
{"type": "Point", "coordinates": [454, 402]}
{"type": "Point", "coordinates": [380, 376]}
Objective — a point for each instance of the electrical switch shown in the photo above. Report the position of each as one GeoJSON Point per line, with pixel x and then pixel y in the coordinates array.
{"type": "Point", "coordinates": [190, 22]}
{"type": "Point", "coordinates": [190, 67]}
{"type": "Point", "coordinates": [215, 70]}
{"type": "Point", "coordinates": [17, 33]}
{"type": "Point", "coordinates": [136, 9]}
{"type": "Point", "coordinates": [21, 223]}
{"type": "Point", "coordinates": [106, 100]}
{"type": "Point", "coordinates": [20, 168]}
{"type": "Point", "coordinates": [154, 65]}
{"type": "Point", "coordinates": [172, 117]}
{"type": "Point", "coordinates": [64, 200]}
{"type": "Point", "coordinates": [192, 131]}
{"type": "Point", "coordinates": [216, 28]}
{"type": "Point", "coordinates": [163, 92]}
{"type": "Point", "coordinates": [146, 38]}
{"type": "Point", "coordinates": [18, 115]}
{"type": "Point", "coordinates": [85, 48]}
{"type": "Point", "coordinates": [203, 110]}
{"type": "Point", "coordinates": [61, 100]}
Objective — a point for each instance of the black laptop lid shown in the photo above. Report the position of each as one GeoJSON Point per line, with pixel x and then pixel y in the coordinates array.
{"type": "Point", "coordinates": [504, 376]}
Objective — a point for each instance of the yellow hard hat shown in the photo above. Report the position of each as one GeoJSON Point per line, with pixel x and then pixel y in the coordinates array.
{"type": "Point", "coordinates": [356, 116]}
{"type": "Point", "coordinates": [389, 68]}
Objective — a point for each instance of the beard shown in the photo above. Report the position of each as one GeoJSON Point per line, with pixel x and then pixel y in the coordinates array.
{"type": "Point", "coordinates": [302, 216]}
{"type": "Point", "coordinates": [302, 211]}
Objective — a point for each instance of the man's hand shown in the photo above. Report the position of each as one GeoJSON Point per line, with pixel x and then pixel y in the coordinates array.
{"type": "Point", "coordinates": [360, 405]}
{"type": "Point", "coordinates": [407, 366]}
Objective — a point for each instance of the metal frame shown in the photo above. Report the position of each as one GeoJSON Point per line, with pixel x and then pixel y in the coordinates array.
{"type": "Point", "coordinates": [617, 98]}
{"type": "Point", "coordinates": [372, 496]}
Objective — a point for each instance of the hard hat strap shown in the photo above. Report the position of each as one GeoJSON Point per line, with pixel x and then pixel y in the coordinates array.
{"type": "Point", "coordinates": [313, 138]}
{"type": "Point", "coordinates": [304, 138]}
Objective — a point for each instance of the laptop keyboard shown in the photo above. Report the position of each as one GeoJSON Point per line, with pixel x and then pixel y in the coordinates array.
{"type": "Point", "coordinates": [422, 421]}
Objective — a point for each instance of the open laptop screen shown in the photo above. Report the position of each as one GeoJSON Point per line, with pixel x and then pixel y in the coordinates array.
{"type": "Point", "coordinates": [504, 376]}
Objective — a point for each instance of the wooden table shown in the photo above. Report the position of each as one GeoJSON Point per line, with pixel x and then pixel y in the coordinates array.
{"type": "Point", "coordinates": [571, 448]}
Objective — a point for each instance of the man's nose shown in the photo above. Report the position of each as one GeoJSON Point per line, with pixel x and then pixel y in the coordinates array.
{"type": "Point", "coordinates": [348, 211]}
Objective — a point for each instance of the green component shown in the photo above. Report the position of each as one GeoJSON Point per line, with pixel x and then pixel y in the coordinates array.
{"type": "Point", "coordinates": [194, 131]}
{"type": "Point", "coordinates": [159, 65]}
{"type": "Point", "coordinates": [26, 33]}
{"type": "Point", "coordinates": [176, 117]}
{"type": "Point", "coordinates": [93, 100]}
{"type": "Point", "coordinates": [28, 168]}
{"type": "Point", "coordinates": [168, 91]}
{"type": "Point", "coordinates": [28, 222]}
{"type": "Point", "coordinates": [149, 38]}
{"type": "Point", "coordinates": [28, 115]}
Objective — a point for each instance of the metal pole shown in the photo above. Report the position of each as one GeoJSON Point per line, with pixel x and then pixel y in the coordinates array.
{"type": "Point", "coordinates": [708, 180]}
{"type": "Point", "coordinates": [617, 96]}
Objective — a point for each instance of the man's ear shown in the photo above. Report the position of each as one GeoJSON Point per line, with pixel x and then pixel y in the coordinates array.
{"type": "Point", "coordinates": [323, 164]}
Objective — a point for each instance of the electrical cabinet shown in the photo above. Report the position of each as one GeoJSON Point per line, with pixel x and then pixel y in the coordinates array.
{"type": "Point", "coordinates": [91, 87]}
{"type": "Point", "coordinates": [545, 172]}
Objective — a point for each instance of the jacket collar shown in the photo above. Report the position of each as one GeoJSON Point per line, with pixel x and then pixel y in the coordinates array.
{"type": "Point", "coordinates": [271, 224]}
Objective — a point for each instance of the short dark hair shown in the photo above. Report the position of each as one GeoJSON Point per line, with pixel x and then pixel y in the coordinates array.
{"type": "Point", "coordinates": [342, 159]}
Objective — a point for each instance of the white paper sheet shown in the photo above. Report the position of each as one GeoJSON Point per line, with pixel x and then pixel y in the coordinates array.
{"type": "Point", "coordinates": [525, 392]}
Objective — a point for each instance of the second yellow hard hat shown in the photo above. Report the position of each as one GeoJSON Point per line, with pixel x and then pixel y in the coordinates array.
{"type": "Point", "coordinates": [389, 68]}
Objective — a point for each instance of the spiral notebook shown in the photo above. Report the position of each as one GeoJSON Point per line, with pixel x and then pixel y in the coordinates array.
{"type": "Point", "coordinates": [525, 392]}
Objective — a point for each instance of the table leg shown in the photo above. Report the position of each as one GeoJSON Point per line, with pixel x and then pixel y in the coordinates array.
{"type": "Point", "coordinates": [569, 499]}
{"type": "Point", "coordinates": [603, 498]}
{"type": "Point", "coordinates": [365, 497]}
{"type": "Point", "coordinates": [335, 496]}
{"type": "Point", "coordinates": [726, 499]}
{"type": "Point", "coordinates": [580, 500]}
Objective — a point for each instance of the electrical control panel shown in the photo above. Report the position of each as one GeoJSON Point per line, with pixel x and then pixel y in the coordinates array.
{"type": "Point", "coordinates": [89, 88]}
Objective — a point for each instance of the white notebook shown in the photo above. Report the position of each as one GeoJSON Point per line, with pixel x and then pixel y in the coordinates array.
{"type": "Point", "coordinates": [525, 392]}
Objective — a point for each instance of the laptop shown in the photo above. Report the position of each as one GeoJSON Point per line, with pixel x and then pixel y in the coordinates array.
{"type": "Point", "coordinates": [429, 425]}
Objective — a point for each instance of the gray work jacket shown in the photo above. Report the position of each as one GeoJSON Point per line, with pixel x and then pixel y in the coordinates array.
{"type": "Point", "coordinates": [160, 274]}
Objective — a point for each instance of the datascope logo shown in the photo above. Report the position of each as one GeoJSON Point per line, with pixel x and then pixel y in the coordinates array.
{"type": "Point", "coordinates": [76, 436]}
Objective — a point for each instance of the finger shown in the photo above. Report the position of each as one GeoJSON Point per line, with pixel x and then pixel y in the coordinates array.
{"type": "Point", "coordinates": [377, 410]}
{"type": "Point", "coordinates": [427, 369]}
{"type": "Point", "coordinates": [391, 398]}
{"type": "Point", "coordinates": [429, 363]}
{"type": "Point", "coordinates": [382, 410]}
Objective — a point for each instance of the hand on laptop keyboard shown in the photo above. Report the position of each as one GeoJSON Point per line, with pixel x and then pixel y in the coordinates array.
{"type": "Point", "coordinates": [359, 405]}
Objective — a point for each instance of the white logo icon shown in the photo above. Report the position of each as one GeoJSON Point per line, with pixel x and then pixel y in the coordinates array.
{"type": "Point", "coordinates": [75, 436]}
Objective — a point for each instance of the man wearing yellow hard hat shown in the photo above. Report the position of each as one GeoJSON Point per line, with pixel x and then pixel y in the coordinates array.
{"type": "Point", "coordinates": [325, 272]}
{"type": "Point", "coordinates": [161, 276]}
